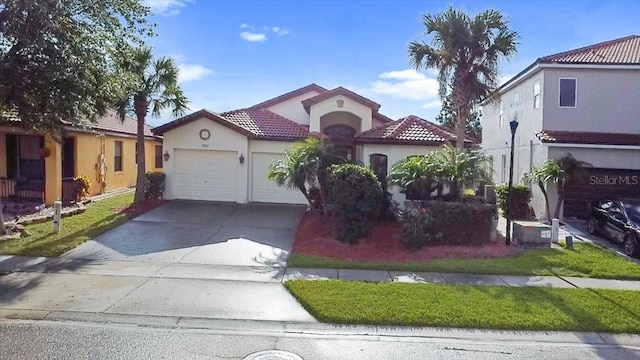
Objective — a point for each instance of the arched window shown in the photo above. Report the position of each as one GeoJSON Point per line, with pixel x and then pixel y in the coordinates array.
{"type": "Point", "coordinates": [340, 133]}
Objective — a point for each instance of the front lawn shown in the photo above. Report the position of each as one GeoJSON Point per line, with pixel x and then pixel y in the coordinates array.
{"type": "Point", "coordinates": [585, 260]}
{"type": "Point", "coordinates": [99, 217]}
{"type": "Point", "coordinates": [466, 306]}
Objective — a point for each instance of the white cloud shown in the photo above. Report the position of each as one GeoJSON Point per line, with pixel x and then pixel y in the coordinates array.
{"type": "Point", "coordinates": [166, 7]}
{"type": "Point", "coordinates": [192, 72]}
{"type": "Point", "coordinates": [406, 84]}
{"type": "Point", "coordinates": [280, 31]}
{"type": "Point", "coordinates": [247, 26]}
{"type": "Point", "coordinates": [253, 37]}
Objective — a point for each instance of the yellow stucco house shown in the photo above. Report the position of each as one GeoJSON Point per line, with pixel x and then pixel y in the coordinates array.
{"type": "Point", "coordinates": [35, 166]}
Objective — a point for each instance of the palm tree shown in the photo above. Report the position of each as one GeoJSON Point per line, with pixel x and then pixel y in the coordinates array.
{"type": "Point", "coordinates": [550, 171]}
{"type": "Point", "coordinates": [465, 51]}
{"type": "Point", "coordinates": [305, 167]}
{"type": "Point", "coordinates": [460, 168]}
{"type": "Point", "coordinates": [151, 84]}
{"type": "Point", "coordinates": [573, 171]}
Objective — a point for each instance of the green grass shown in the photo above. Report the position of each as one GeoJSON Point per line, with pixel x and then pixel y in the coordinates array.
{"type": "Point", "coordinates": [585, 260]}
{"type": "Point", "coordinates": [98, 218]}
{"type": "Point", "coordinates": [466, 306]}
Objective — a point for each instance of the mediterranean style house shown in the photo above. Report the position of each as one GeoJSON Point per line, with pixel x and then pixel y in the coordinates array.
{"type": "Point", "coordinates": [225, 157]}
{"type": "Point", "coordinates": [585, 102]}
{"type": "Point", "coordinates": [38, 167]}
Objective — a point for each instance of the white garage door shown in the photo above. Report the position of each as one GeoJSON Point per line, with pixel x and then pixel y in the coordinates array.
{"type": "Point", "coordinates": [206, 175]}
{"type": "Point", "coordinates": [264, 190]}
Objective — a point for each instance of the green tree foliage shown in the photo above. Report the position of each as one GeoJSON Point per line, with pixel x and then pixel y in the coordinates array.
{"type": "Point", "coordinates": [465, 50]}
{"type": "Point", "coordinates": [358, 198]}
{"type": "Point", "coordinates": [152, 84]}
{"type": "Point", "coordinates": [447, 166]}
{"type": "Point", "coordinates": [448, 118]}
{"type": "Point", "coordinates": [57, 57]}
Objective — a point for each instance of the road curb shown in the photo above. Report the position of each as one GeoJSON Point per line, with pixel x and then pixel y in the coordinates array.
{"type": "Point", "coordinates": [322, 330]}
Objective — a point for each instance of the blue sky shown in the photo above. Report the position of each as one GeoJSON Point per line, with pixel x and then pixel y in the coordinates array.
{"type": "Point", "coordinates": [234, 54]}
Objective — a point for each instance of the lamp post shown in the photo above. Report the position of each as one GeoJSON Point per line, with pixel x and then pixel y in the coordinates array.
{"type": "Point", "coordinates": [513, 124]}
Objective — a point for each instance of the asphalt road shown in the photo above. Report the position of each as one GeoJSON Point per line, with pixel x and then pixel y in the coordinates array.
{"type": "Point", "coordinates": [69, 340]}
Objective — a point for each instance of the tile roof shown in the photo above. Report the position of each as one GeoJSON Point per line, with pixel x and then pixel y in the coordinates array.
{"type": "Point", "coordinates": [579, 137]}
{"type": "Point", "coordinates": [410, 129]}
{"type": "Point", "coordinates": [290, 95]}
{"type": "Point", "coordinates": [265, 124]}
{"type": "Point", "coordinates": [110, 122]}
{"type": "Point", "coordinates": [623, 51]}
{"type": "Point", "coordinates": [307, 103]}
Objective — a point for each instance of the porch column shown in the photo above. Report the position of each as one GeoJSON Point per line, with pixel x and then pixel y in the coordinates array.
{"type": "Point", "coordinates": [52, 170]}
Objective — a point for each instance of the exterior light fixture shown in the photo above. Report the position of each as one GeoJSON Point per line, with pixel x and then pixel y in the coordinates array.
{"type": "Point", "coordinates": [166, 155]}
{"type": "Point", "coordinates": [241, 159]}
{"type": "Point", "coordinates": [513, 124]}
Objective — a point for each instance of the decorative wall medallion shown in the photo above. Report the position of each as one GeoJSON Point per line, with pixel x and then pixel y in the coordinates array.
{"type": "Point", "coordinates": [205, 134]}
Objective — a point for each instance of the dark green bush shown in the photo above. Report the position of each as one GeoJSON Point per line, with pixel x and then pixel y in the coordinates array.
{"type": "Point", "coordinates": [446, 223]}
{"type": "Point", "coordinates": [520, 198]}
{"type": "Point", "coordinates": [154, 185]}
{"type": "Point", "coordinates": [358, 198]}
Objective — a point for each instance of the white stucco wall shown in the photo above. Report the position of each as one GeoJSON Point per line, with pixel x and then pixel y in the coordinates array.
{"type": "Point", "coordinates": [292, 109]}
{"type": "Point", "coordinates": [394, 154]}
{"type": "Point", "coordinates": [528, 150]}
{"type": "Point", "coordinates": [604, 97]}
{"type": "Point", "coordinates": [330, 105]}
{"type": "Point", "coordinates": [222, 138]}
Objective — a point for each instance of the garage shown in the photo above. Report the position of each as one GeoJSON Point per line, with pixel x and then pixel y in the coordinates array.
{"type": "Point", "coordinates": [263, 190]}
{"type": "Point", "coordinates": [601, 183]}
{"type": "Point", "coordinates": [205, 175]}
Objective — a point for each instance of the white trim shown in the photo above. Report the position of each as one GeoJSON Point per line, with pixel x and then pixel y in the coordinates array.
{"type": "Point", "coordinates": [591, 66]}
{"type": "Point", "coordinates": [594, 146]}
{"type": "Point", "coordinates": [575, 91]}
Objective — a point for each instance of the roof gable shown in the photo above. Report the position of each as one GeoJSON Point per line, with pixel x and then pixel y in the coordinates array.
{"type": "Point", "coordinates": [410, 130]}
{"type": "Point", "coordinates": [201, 114]}
{"type": "Point", "coordinates": [339, 91]}
{"type": "Point", "coordinates": [290, 95]}
{"type": "Point", "coordinates": [265, 124]}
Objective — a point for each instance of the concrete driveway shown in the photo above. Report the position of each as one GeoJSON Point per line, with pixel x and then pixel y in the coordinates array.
{"type": "Point", "coordinates": [182, 260]}
{"type": "Point", "coordinates": [201, 233]}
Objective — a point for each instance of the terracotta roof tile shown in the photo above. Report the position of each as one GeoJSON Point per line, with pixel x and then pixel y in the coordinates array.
{"type": "Point", "coordinates": [410, 129]}
{"type": "Point", "coordinates": [266, 124]}
{"type": "Point", "coordinates": [578, 137]}
{"type": "Point", "coordinates": [623, 51]}
{"type": "Point", "coordinates": [307, 103]}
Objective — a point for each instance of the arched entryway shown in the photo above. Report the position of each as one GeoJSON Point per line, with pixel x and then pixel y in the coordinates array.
{"type": "Point", "coordinates": [342, 138]}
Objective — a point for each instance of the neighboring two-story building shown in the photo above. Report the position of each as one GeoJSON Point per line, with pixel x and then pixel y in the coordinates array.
{"type": "Point", "coordinates": [585, 102]}
{"type": "Point", "coordinates": [225, 157]}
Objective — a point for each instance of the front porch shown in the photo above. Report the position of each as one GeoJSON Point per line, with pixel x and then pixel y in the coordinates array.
{"type": "Point", "coordinates": [30, 170]}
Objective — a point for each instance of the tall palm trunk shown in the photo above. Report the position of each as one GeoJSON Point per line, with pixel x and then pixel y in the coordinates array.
{"type": "Point", "coordinates": [556, 213]}
{"type": "Point", "coordinates": [546, 200]}
{"type": "Point", "coordinates": [141, 106]}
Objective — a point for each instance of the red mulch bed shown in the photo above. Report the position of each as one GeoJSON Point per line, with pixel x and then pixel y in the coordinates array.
{"type": "Point", "coordinates": [314, 236]}
{"type": "Point", "coordinates": [139, 208]}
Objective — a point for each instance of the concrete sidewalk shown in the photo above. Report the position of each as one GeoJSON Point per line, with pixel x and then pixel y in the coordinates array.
{"type": "Point", "coordinates": [459, 279]}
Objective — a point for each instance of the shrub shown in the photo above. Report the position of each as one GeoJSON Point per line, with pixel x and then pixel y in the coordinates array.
{"type": "Point", "coordinates": [358, 199]}
{"type": "Point", "coordinates": [82, 187]}
{"type": "Point", "coordinates": [520, 197]}
{"type": "Point", "coordinates": [446, 223]}
{"type": "Point", "coordinates": [154, 185]}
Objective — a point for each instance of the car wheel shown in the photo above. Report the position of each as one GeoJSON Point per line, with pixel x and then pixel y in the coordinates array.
{"type": "Point", "coordinates": [630, 245]}
{"type": "Point", "coordinates": [592, 225]}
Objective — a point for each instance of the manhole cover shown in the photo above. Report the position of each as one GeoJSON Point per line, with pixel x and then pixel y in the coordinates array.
{"type": "Point", "coordinates": [273, 355]}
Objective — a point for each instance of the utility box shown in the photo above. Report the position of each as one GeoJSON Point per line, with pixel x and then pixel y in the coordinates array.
{"type": "Point", "coordinates": [531, 234]}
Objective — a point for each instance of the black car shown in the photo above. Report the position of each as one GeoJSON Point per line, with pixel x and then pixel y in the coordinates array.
{"type": "Point", "coordinates": [619, 220]}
